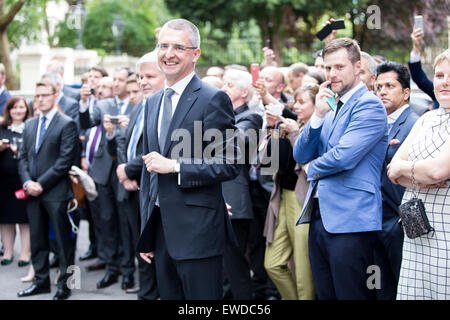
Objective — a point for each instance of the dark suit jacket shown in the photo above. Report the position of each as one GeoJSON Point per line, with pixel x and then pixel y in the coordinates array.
{"type": "Point", "coordinates": [236, 192]}
{"type": "Point", "coordinates": [71, 107]}
{"type": "Point", "coordinates": [392, 193]}
{"type": "Point", "coordinates": [118, 146]}
{"type": "Point", "coordinates": [422, 81]}
{"type": "Point", "coordinates": [50, 167]}
{"type": "Point", "coordinates": [4, 98]}
{"type": "Point", "coordinates": [193, 213]}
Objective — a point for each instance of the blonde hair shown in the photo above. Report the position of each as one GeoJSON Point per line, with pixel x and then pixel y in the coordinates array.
{"type": "Point", "coordinates": [444, 56]}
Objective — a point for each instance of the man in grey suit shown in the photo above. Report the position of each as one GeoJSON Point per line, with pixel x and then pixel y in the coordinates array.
{"type": "Point", "coordinates": [47, 153]}
{"type": "Point", "coordinates": [236, 192]}
{"type": "Point", "coordinates": [102, 167]}
{"type": "Point", "coordinates": [127, 147]}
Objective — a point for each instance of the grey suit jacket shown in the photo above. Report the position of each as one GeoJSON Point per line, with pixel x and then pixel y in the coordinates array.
{"type": "Point", "coordinates": [236, 192]}
{"type": "Point", "coordinates": [51, 164]}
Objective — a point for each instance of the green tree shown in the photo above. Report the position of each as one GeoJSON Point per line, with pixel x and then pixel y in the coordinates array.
{"type": "Point", "coordinates": [140, 17]}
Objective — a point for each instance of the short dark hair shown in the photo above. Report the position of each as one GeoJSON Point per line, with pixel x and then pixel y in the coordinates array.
{"type": "Point", "coordinates": [348, 44]}
{"type": "Point", "coordinates": [103, 72]}
{"type": "Point", "coordinates": [402, 72]}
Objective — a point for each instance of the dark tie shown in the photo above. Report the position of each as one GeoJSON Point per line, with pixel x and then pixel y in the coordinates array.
{"type": "Point", "coordinates": [94, 143]}
{"type": "Point", "coordinates": [135, 137]}
{"type": "Point", "coordinates": [339, 106]}
{"type": "Point", "coordinates": [166, 117]}
{"type": "Point", "coordinates": [41, 133]}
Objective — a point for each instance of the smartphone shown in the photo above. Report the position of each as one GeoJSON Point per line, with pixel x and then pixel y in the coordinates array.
{"type": "Point", "coordinates": [254, 68]}
{"type": "Point", "coordinates": [114, 119]}
{"type": "Point", "coordinates": [268, 44]}
{"type": "Point", "coordinates": [324, 32]}
{"type": "Point", "coordinates": [5, 141]}
{"type": "Point", "coordinates": [418, 22]}
{"type": "Point", "coordinates": [331, 100]}
{"type": "Point", "coordinates": [338, 24]}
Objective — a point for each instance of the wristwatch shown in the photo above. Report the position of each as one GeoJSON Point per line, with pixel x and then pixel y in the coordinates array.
{"type": "Point", "coordinates": [176, 167]}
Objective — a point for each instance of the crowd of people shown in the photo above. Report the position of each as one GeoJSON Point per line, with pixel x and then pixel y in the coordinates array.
{"type": "Point", "coordinates": [352, 145]}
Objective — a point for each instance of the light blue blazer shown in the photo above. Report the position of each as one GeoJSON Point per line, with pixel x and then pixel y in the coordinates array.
{"type": "Point", "coordinates": [346, 160]}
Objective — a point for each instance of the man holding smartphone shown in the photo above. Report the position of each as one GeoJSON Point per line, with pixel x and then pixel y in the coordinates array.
{"type": "Point", "coordinates": [345, 149]}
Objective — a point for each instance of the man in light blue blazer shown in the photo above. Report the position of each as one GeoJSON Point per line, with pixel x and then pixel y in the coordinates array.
{"type": "Point", "coordinates": [345, 146]}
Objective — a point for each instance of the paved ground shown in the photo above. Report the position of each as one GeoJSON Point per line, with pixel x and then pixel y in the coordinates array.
{"type": "Point", "coordinates": [10, 276]}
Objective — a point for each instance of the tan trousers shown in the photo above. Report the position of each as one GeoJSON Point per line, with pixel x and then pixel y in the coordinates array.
{"type": "Point", "coordinates": [289, 241]}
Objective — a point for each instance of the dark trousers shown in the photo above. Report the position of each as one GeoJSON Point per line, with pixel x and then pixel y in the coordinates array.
{"type": "Point", "coordinates": [39, 214]}
{"type": "Point", "coordinates": [196, 279]}
{"type": "Point", "coordinates": [236, 266]}
{"type": "Point", "coordinates": [263, 286]}
{"type": "Point", "coordinates": [339, 262]}
{"type": "Point", "coordinates": [147, 274]}
{"type": "Point", "coordinates": [388, 256]}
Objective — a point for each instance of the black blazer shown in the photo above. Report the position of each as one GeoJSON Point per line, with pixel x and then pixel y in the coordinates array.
{"type": "Point", "coordinates": [422, 81]}
{"type": "Point", "coordinates": [236, 192]}
{"type": "Point", "coordinates": [50, 167]}
{"type": "Point", "coordinates": [392, 194]}
{"type": "Point", "coordinates": [193, 213]}
{"type": "Point", "coordinates": [117, 148]}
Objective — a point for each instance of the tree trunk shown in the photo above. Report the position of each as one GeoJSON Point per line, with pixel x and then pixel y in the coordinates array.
{"type": "Point", "coordinates": [11, 82]}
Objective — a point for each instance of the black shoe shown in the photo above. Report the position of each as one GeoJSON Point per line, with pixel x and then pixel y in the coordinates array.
{"type": "Point", "coordinates": [96, 266]}
{"type": "Point", "coordinates": [54, 262]}
{"type": "Point", "coordinates": [62, 294]}
{"type": "Point", "coordinates": [127, 282]}
{"type": "Point", "coordinates": [33, 290]}
{"type": "Point", "coordinates": [90, 254]}
{"type": "Point", "coordinates": [108, 279]}
{"type": "Point", "coordinates": [133, 290]}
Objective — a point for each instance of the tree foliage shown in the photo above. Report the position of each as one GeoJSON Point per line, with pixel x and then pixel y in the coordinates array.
{"type": "Point", "coordinates": [140, 17]}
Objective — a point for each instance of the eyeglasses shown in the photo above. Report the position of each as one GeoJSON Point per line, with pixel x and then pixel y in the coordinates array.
{"type": "Point", "coordinates": [38, 96]}
{"type": "Point", "coordinates": [179, 48]}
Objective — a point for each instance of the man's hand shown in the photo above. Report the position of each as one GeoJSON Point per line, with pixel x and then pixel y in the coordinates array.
{"type": "Point", "coordinates": [332, 35]}
{"type": "Point", "coordinates": [34, 188]}
{"type": "Point", "coordinates": [146, 256]}
{"type": "Point", "coordinates": [124, 121]}
{"type": "Point", "coordinates": [130, 185]}
{"type": "Point", "coordinates": [121, 173]}
{"type": "Point", "coordinates": [3, 146]}
{"type": "Point", "coordinates": [289, 125]}
{"type": "Point", "coordinates": [109, 126]}
{"type": "Point", "coordinates": [84, 165]}
{"type": "Point", "coordinates": [416, 37]}
{"type": "Point", "coordinates": [322, 106]}
{"type": "Point", "coordinates": [155, 162]}
{"type": "Point", "coordinates": [85, 92]}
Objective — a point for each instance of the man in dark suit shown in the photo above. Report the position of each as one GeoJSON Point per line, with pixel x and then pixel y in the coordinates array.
{"type": "Point", "coordinates": [236, 192]}
{"type": "Point", "coordinates": [393, 88]}
{"type": "Point", "coordinates": [4, 94]}
{"type": "Point", "coordinates": [46, 156]}
{"type": "Point", "coordinates": [128, 148]}
{"type": "Point", "coordinates": [185, 223]}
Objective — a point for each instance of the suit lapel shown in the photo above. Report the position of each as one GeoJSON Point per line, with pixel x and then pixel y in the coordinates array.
{"type": "Point", "coordinates": [185, 103]}
{"type": "Point", "coordinates": [152, 121]}
{"type": "Point", "coordinates": [345, 108]}
{"type": "Point", "coordinates": [47, 132]}
{"type": "Point", "coordinates": [396, 128]}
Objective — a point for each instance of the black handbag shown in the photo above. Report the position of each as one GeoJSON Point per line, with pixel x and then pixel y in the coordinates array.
{"type": "Point", "coordinates": [413, 216]}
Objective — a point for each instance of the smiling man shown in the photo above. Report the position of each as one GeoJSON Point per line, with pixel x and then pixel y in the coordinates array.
{"type": "Point", "coordinates": [345, 148]}
{"type": "Point", "coordinates": [185, 223]}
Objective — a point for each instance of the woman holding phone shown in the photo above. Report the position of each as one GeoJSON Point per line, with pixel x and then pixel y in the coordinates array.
{"type": "Point", "coordinates": [12, 211]}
